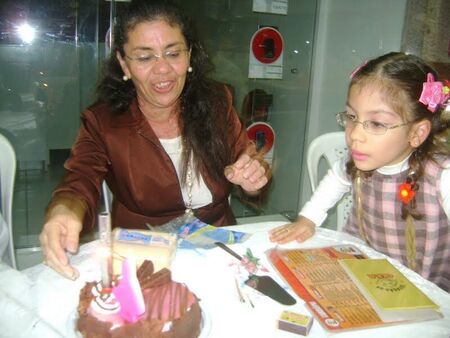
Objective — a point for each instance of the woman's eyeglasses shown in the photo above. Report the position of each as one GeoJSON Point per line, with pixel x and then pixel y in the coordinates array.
{"type": "Point", "coordinates": [347, 120]}
{"type": "Point", "coordinates": [149, 59]}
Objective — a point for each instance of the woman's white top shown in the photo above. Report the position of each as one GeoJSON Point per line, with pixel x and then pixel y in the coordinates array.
{"type": "Point", "coordinates": [336, 183]}
{"type": "Point", "coordinates": [201, 195]}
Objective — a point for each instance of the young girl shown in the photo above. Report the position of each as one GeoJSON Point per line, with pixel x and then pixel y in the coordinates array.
{"type": "Point", "coordinates": [398, 167]}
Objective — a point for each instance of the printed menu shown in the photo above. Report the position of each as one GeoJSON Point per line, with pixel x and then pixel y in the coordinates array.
{"type": "Point", "coordinates": [327, 289]}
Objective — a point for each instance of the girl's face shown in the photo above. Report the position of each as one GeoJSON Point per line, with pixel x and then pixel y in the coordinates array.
{"type": "Point", "coordinates": [156, 60]}
{"type": "Point", "coordinates": [370, 152]}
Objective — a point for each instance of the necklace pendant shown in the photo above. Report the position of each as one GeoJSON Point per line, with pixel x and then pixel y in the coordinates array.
{"type": "Point", "coordinates": [189, 212]}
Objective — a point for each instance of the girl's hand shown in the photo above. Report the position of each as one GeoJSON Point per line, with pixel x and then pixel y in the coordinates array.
{"type": "Point", "coordinates": [300, 231]}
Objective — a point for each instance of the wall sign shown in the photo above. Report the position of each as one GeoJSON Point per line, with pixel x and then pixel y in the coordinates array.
{"type": "Point", "coordinates": [266, 54]}
{"type": "Point", "coordinates": [270, 6]}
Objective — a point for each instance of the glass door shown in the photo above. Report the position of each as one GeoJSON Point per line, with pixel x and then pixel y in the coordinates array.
{"type": "Point", "coordinates": [50, 55]}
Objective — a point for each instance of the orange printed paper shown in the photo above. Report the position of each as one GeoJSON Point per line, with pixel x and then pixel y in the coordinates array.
{"type": "Point", "coordinates": [332, 296]}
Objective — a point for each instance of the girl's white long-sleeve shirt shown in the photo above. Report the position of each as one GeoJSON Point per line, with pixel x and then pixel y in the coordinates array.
{"type": "Point", "coordinates": [336, 183]}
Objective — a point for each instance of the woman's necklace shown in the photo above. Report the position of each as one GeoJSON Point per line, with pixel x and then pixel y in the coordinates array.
{"type": "Point", "coordinates": [189, 183]}
{"type": "Point", "coordinates": [174, 149]}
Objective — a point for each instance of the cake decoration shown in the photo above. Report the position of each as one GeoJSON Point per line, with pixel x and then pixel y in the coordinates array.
{"type": "Point", "coordinates": [104, 306]}
{"type": "Point", "coordinates": [128, 293]}
{"type": "Point", "coordinates": [104, 300]}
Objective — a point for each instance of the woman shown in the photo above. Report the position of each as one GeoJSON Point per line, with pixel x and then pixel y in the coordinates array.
{"type": "Point", "coordinates": [164, 137]}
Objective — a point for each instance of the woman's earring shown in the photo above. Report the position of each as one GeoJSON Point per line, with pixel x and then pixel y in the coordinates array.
{"type": "Point", "coordinates": [125, 78]}
{"type": "Point", "coordinates": [190, 69]}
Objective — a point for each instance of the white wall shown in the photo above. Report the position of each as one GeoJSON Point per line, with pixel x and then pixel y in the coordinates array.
{"type": "Point", "coordinates": [347, 33]}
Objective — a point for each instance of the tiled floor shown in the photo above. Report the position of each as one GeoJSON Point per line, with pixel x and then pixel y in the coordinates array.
{"type": "Point", "coordinates": [32, 192]}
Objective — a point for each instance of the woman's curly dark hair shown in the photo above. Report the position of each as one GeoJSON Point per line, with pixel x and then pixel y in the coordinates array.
{"type": "Point", "coordinates": [203, 101]}
{"type": "Point", "coordinates": [400, 77]}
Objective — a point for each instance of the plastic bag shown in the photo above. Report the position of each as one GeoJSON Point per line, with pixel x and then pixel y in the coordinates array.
{"type": "Point", "coordinates": [193, 233]}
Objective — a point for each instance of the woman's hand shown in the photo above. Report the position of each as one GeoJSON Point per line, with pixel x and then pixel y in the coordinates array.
{"type": "Point", "coordinates": [250, 172]}
{"type": "Point", "coordinates": [59, 236]}
{"type": "Point", "coordinates": [300, 231]}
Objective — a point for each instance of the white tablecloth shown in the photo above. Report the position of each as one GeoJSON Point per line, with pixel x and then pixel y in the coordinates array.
{"type": "Point", "coordinates": [37, 302]}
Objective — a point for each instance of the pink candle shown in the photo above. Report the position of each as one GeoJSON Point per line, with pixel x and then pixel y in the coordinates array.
{"type": "Point", "coordinates": [129, 293]}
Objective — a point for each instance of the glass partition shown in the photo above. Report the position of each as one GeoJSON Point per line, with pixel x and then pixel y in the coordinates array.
{"type": "Point", "coordinates": [227, 27]}
{"type": "Point", "coordinates": [50, 54]}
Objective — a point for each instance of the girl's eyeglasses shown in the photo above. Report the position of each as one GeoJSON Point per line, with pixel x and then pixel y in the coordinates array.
{"type": "Point", "coordinates": [347, 120]}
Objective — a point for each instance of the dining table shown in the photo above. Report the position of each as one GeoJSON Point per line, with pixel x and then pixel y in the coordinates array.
{"type": "Point", "coordinates": [38, 302]}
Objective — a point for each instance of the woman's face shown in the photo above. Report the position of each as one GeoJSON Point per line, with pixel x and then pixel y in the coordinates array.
{"type": "Point", "coordinates": [370, 151]}
{"type": "Point", "coordinates": [156, 60]}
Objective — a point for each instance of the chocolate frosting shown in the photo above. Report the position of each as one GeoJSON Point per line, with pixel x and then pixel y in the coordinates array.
{"type": "Point", "coordinates": [148, 279]}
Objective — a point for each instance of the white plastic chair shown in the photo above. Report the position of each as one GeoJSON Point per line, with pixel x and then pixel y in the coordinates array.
{"type": "Point", "coordinates": [331, 147]}
{"type": "Point", "coordinates": [7, 177]}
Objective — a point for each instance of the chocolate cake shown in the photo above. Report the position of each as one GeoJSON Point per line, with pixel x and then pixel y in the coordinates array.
{"type": "Point", "coordinates": [171, 310]}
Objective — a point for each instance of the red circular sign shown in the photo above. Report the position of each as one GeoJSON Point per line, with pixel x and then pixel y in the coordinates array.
{"type": "Point", "coordinates": [267, 45]}
{"type": "Point", "coordinates": [263, 135]}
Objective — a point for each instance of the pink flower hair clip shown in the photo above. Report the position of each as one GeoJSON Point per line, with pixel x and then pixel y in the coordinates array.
{"type": "Point", "coordinates": [434, 93]}
{"type": "Point", "coordinates": [357, 69]}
